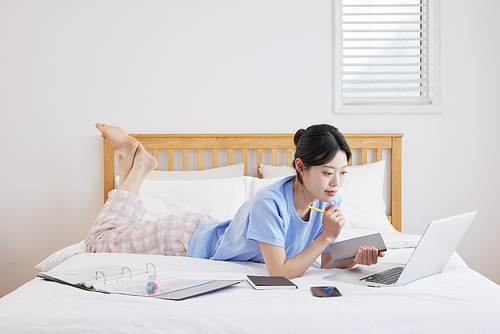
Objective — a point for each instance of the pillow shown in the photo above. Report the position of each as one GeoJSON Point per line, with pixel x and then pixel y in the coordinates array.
{"type": "Point", "coordinates": [362, 197]}
{"type": "Point", "coordinates": [254, 184]}
{"type": "Point", "coordinates": [218, 198]}
{"type": "Point", "coordinates": [208, 174]}
{"type": "Point", "coordinates": [60, 256]}
{"type": "Point", "coordinates": [362, 194]}
{"type": "Point", "coordinates": [269, 172]}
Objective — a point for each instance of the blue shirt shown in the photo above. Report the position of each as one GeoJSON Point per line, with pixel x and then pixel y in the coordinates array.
{"type": "Point", "coordinates": [268, 217]}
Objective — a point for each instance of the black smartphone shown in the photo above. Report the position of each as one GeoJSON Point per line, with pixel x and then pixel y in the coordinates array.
{"type": "Point", "coordinates": [325, 291]}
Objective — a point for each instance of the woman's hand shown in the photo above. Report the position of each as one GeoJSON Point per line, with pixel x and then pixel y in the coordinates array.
{"type": "Point", "coordinates": [333, 222]}
{"type": "Point", "coordinates": [365, 255]}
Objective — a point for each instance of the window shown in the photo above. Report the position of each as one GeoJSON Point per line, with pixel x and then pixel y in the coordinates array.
{"type": "Point", "coordinates": [385, 57]}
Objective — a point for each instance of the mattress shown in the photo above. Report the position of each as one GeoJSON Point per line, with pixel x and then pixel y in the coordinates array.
{"type": "Point", "coordinates": [459, 300]}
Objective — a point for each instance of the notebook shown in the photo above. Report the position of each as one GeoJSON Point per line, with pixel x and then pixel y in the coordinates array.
{"type": "Point", "coordinates": [347, 249]}
{"type": "Point", "coordinates": [270, 282]}
{"type": "Point", "coordinates": [431, 255]}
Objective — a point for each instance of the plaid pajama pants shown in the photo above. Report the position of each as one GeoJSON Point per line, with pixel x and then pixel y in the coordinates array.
{"type": "Point", "coordinates": [119, 228]}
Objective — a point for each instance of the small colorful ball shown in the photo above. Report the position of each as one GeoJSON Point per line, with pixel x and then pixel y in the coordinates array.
{"type": "Point", "coordinates": [151, 288]}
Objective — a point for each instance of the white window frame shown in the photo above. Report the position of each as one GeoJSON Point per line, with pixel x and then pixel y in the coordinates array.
{"type": "Point", "coordinates": [345, 109]}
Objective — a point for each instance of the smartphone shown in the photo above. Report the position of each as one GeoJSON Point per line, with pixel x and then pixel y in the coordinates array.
{"type": "Point", "coordinates": [325, 291]}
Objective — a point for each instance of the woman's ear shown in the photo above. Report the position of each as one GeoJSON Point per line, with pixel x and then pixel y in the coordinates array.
{"type": "Point", "coordinates": [299, 165]}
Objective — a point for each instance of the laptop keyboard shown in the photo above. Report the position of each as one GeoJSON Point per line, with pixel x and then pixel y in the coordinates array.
{"type": "Point", "coordinates": [389, 276]}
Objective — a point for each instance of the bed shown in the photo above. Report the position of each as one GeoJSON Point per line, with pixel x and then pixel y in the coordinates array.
{"type": "Point", "coordinates": [226, 170]}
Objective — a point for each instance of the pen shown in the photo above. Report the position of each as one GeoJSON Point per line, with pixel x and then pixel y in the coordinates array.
{"type": "Point", "coordinates": [315, 209]}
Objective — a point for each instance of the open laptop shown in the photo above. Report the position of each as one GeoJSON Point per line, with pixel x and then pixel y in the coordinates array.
{"type": "Point", "coordinates": [431, 255]}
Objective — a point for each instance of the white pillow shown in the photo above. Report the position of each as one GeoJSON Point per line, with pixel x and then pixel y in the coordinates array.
{"type": "Point", "coordinates": [269, 172]}
{"type": "Point", "coordinates": [362, 194]}
{"type": "Point", "coordinates": [362, 197]}
{"type": "Point", "coordinates": [60, 256]}
{"type": "Point", "coordinates": [254, 184]}
{"type": "Point", "coordinates": [208, 174]}
{"type": "Point", "coordinates": [218, 198]}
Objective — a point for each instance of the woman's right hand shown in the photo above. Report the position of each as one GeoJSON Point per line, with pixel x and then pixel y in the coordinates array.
{"type": "Point", "coordinates": [333, 222]}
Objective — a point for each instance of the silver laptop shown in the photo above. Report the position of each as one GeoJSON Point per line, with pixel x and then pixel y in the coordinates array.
{"type": "Point", "coordinates": [431, 255]}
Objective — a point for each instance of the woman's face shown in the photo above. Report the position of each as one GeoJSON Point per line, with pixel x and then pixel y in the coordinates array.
{"type": "Point", "coordinates": [323, 182]}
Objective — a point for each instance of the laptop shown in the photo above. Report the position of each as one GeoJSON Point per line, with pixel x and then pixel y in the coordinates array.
{"type": "Point", "coordinates": [431, 255]}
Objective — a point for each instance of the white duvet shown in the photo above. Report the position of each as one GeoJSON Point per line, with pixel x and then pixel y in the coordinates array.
{"type": "Point", "coordinates": [459, 300]}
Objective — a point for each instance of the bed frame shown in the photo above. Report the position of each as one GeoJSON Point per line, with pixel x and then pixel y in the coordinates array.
{"type": "Point", "coordinates": [255, 149]}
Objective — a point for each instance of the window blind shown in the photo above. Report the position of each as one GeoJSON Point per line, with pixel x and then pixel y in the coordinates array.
{"type": "Point", "coordinates": [385, 52]}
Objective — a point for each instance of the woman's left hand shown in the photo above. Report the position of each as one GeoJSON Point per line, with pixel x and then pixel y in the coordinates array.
{"type": "Point", "coordinates": [367, 255]}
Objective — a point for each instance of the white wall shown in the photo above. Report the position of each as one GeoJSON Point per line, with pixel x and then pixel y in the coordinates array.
{"type": "Point", "coordinates": [220, 67]}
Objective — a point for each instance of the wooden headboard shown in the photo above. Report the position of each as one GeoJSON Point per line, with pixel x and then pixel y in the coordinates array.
{"type": "Point", "coordinates": [255, 149]}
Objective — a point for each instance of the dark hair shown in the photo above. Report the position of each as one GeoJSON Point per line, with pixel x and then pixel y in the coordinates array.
{"type": "Point", "coordinates": [318, 145]}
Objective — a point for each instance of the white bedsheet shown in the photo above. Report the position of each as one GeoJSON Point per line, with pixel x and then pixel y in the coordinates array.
{"type": "Point", "coordinates": [457, 301]}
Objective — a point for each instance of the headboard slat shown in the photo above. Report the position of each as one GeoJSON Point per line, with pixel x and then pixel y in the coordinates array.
{"type": "Point", "coordinates": [274, 156]}
{"type": "Point", "coordinates": [289, 156]}
{"type": "Point", "coordinates": [170, 157]}
{"type": "Point", "coordinates": [185, 159]}
{"type": "Point", "coordinates": [244, 156]}
{"type": "Point", "coordinates": [155, 154]}
{"type": "Point", "coordinates": [229, 156]}
{"type": "Point", "coordinates": [215, 158]}
{"type": "Point", "coordinates": [200, 159]}
{"type": "Point", "coordinates": [259, 162]}
{"type": "Point", "coordinates": [364, 156]}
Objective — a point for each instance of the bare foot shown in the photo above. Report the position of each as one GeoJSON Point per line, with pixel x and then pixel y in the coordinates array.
{"type": "Point", "coordinates": [143, 160]}
{"type": "Point", "coordinates": [142, 165]}
{"type": "Point", "coordinates": [121, 141]}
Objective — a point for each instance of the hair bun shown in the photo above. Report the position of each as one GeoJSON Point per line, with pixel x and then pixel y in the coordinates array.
{"type": "Point", "coordinates": [297, 136]}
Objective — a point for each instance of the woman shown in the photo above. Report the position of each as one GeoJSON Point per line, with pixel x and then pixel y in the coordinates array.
{"type": "Point", "coordinates": [276, 226]}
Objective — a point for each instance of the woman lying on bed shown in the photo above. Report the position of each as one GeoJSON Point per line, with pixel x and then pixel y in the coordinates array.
{"type": "Point", "coordinates": [275, 227]}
